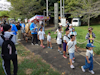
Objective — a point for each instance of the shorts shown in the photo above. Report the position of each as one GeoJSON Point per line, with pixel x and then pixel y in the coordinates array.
{"type": "Point", "coordinates": [49, 40]}
{"type": "Point", "coordinates": [59, 45]}
{"type": "Point", "coordinates": [23, 30]}
{"type": "Point", "coordinates": [71, 55]}
{"type": "Point", "coordinates": [64, 46]}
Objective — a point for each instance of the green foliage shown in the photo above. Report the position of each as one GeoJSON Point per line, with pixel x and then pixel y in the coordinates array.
{"type": "Point", "coordinates": [85, 8]}
{"type": "Point", "coordinates": [26, 8]}
{"type": "Point", "coordinates": [4, 13]}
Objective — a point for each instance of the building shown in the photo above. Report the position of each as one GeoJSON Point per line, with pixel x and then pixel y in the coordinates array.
{"type": "Point", "coordinates": [4, 5]}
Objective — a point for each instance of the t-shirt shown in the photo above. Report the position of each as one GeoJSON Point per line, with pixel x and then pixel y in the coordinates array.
{"type": "Point", "coordinates": [41, 35]}
{"type": "Point", "coordinates": [88, 53]}
{"type": "Point", "coordinates": [18, 27]}
{"type": "Point", "coordinates": [66, 37]}
{"type": "Point", "coordinates": [73, 33]}
{"type": "Point", "coordinates": [71, 46]}
{"type": "Point", "coordinates": [48, 38]}
{"type": "Point", "coordinates": [14, 29]}
{"type": "Point", "coordinates": [59, 36]}
{"type": "Point", "coordinates": [90, 37]}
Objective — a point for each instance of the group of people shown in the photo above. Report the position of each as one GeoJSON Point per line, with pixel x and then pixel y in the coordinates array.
{"type": "Point", "coordinates": [8, 36]}
{"type": "Point", "coordinates": [68, 41]}
{"type": "Point", "coordinates": [69, 46]}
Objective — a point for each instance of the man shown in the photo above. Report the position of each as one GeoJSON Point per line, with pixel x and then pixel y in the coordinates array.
{"type": "Point", "coordinates": [14, 30]}
{"type": "Point", "coordinates": [34, 29]}
{"type": "Point", "coordinates": [23, 28]}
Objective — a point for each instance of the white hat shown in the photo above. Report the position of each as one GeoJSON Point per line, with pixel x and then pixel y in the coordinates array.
{"type": "Point", "coordinates": [59, 24]}
{"type": "Point", "coordinates": [70, 25]}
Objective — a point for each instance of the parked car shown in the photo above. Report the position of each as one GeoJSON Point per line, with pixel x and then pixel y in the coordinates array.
{"type": "Point", "coordinates": [76, 22]}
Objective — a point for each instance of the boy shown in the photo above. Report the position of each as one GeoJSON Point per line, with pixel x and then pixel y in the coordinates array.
{"type": "Point", "coordinates": [90, 36]}
{"type": "Point", "coordinates": [73, 32]}
{"type": "Point", "coordinates": [66, 39]}
{"type": "Point", "coordinates": [41, 35]}
{"type": "Point", "coordinates": [89, 59]}
{"type": "Point", "coordinates": [71, 46]}
{"type": "Point", "coordinates": [49, 40]}
{"type": "Point", "coordinates": [59, 40]}
{"type": "Point", "coordinates": [7, 41]}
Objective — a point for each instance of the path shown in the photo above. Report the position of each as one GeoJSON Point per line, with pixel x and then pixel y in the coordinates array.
{"type": "Point", "coordinates": [57, 61]}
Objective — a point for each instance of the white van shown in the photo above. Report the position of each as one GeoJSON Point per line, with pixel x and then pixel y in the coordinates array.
{"type": "Point", "coordinates": [76, 22]}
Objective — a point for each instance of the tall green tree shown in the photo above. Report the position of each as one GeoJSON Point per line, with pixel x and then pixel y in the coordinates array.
{"type": "Point", "coordinates": [25, 8]}
{"type": "Point", "coordinates": [86, 8]}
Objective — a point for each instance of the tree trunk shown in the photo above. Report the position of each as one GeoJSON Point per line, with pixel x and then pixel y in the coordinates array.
{"type": "Point", "coordinates": [88, 22]}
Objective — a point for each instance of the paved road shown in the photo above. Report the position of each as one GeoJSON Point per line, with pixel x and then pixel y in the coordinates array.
{"type": "Point", "coordinates": [57, 61]}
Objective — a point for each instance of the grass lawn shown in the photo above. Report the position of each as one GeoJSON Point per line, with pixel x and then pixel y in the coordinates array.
{"type": "Point", "coordinates": [82, 31]}
{"type": "Point", "coordinates": [30, 64]}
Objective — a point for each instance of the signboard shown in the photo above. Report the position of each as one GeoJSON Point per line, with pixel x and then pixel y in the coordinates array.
{"type": "Point", "coordinates": [63, 21]}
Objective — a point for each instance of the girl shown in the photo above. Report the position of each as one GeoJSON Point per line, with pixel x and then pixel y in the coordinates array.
{"type": "Point", "coordinates": [41, 35]}
{"type": "Point", "coordinates": [49, 40]}
{"type": "Point", "coordinates": [89, 59]}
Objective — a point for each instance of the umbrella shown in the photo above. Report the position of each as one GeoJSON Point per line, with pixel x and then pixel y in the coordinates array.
{"type": "Point", "coordinates": [38, 17]}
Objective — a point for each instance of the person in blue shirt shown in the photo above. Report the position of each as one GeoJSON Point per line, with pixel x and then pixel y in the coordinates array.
{"type": "Point", "coordinates": [34, 30]}
{"type": "Point", "coordinates": [14, 30]}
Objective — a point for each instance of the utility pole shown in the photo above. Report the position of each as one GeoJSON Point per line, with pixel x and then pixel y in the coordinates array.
{"type": "Point", "coordinates": [60, 8]}
{"type": "Point", "coordinates": [47, 7]}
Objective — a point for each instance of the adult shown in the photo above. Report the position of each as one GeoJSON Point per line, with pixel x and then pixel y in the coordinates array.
{"type": "Point", "coordinates": [19, 31]}
{"type": "Point", "coordinates": [14, 30]}
{"type": "Point", "coordinates": [90, 35]}
{"type": "Point", "coordinates": [22, 28]}
{"type": "Point", "coordinates": [34, 30]}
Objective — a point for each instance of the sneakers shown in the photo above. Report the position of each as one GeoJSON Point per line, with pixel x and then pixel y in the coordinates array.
{"type": "Point", "coordinates": [48, 47]}
{"type": "Point", "coordinates": [64, 56]}
{"type": "Point", "coordinates": [82, 69]}
{"type": "Point", "coordinates": [61, 52]}
{"type": "Point", "coordinates": [32, 44]}
{"type": "Point", "coordinates": [92, 72]}
{"type": "Point", "coordinates": [51, 48]}
{"type": "Point", "coordinates": [73, 61]}
{"type": "Point", "coordinates": [58, 50]}
{"type": "Point", "coordinates": [36, 44]}
{"type": "Point", "coordinates": [72, 67]}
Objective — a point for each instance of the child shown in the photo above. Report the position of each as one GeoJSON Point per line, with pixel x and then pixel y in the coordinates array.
{"type": "Point", "coordinates": [49, 40]}
{"type": "Point", "coordinates": [90, 35]}
{"type": "Point", "coordinates": [71, 46]}
{"type": "Point", "coordinates": [7, 41]}
{"type": "Point", "coordinates": [66, 39]}
{"type": "Point", "coordinates": [59, 40]}
{"type": "Point", "coordinates": [41, 35]}
{"type": "Point", "coordinates": [89, 59]}
{"type": "Point", "coordinates": [73, 32]}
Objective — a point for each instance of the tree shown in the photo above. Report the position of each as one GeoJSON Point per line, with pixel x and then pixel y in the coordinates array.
{"type": "Point", "coordinates": [86, 8]}
{"type": "Point", "coordinates": [25, 8]}
{"type": "Point", "coordinates": [4, 13]}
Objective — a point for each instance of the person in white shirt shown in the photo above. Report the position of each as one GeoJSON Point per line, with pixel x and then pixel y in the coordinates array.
{"type": "Point", "coordinates": [71, 46]}
{"type": "Point", "coordinates": [73, 33]}
{"type": "Point", "coordinates": [59, 40]}
{"type": "Point", "coordinates": [89, 59]}
{"type": "Point", "coordinates": [49, 40]}
{"type": "Point", "coordinates": [70, 27]}
{"type": "Point", "coordinates": [41, 35]}
{"type": "Point", "coordinates": [66, 39]}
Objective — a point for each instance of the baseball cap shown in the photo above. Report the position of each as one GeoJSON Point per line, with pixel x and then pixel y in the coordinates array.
{"type": "Point", "coordinates": [73, 28]}
{"type": "Point", "coordinates": [90, 28]}
{"type": "Point", "coordinates": [89, 45]}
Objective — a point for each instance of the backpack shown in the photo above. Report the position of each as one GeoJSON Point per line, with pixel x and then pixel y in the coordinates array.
{"type": "Point", "coordinates": [67, 37]}
{"type": "Point", "coordinates": [8, 49]}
